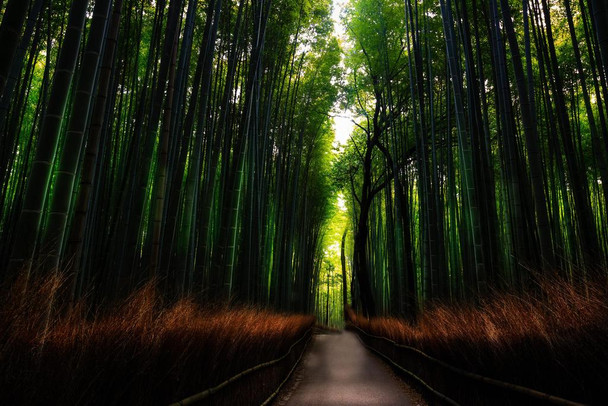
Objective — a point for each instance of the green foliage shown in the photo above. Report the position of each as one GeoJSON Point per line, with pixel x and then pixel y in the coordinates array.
{"type": "Point", "coordinates": [455, 137]}
{"type": "Point", "coordinates": [210, 164]}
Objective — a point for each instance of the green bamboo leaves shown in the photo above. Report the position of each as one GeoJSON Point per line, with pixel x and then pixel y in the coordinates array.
{"type": "Point", "coordinates": [487, 121]}
{"type": "Point", "coordinates": [192, 146]}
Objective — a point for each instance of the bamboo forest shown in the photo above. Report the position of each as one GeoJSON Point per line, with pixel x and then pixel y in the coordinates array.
{"type": "Point", "coordinates": [303, 202]}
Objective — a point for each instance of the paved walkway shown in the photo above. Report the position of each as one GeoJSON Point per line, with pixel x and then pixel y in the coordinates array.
{"type": "Point", "coordinates": [338, 370]}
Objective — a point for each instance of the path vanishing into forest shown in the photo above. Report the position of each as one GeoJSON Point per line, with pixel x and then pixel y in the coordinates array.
{"type": "Point", "coordinates": [338, 370]}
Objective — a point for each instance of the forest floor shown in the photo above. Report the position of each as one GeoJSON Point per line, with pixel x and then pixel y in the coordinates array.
{"type": "Point", "coordinates": [142, 351]}
{"type": "Point", "coordinates": [338, 370]}
{"type": "Point", "coordinates": [552, 339]}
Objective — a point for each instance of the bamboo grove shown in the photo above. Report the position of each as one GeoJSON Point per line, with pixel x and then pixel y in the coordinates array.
{"type": "Point", "coordinates": [480, 155]}
{"type": "Point", "coordinates": [180, 140]}
{"type": "Point", "coordinates": [190, 141]}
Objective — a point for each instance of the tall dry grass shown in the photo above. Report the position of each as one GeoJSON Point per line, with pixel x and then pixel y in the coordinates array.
{"type": "Point", "coordinates": [554, 340]}
{"type": "Point", "coordinates": [141, 352]}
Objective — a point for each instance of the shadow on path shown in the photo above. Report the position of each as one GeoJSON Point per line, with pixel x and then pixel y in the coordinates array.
{"type": "Point", "coordinates": [338, 370]}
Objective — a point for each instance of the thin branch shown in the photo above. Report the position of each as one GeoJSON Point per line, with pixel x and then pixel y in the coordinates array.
{"type": "Point", "coordinates": [356, 147]}
{"type": "Point", "coordinates": [352, 186]}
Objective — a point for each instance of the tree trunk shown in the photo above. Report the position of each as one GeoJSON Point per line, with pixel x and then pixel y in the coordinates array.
{"type": "Point", "coordinates": [28, 228]}
{"type": "Point", "coordinates": [10, 34]}
{"type": "Point", "coordinates": [75, 137]}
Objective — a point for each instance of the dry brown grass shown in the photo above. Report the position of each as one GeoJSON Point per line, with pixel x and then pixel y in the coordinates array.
{"type": "Point", "coordinates": [555, 340]}
{"type": "Point", "coordinates": [141, 352]}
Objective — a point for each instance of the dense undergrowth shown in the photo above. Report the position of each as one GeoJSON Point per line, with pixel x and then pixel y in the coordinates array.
{"type": "Point", "coordinates": [140, 352]}
{"type": "Point", "coordinates": [553, 340]}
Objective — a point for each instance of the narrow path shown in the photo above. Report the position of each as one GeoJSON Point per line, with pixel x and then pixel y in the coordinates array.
{"type": "Point", "coordinates": [338, 370]}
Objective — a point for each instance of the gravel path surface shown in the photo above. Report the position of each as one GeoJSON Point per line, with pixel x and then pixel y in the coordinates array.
{"type": "Point", "coordinates": [338, 370]}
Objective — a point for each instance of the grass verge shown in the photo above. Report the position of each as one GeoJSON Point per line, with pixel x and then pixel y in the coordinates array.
{"type": "Point", "coordinates": [141, 352]}
{"type": "Point", "coordinates": [554, 340]}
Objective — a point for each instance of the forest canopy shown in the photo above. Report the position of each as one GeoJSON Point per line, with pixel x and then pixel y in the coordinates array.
{"type": "Point", "coordinates": [479, 158]}
{"type": "Point", "coordinates": [193, 142]}
{"type": "Point", "coordinates": [184, 141]}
